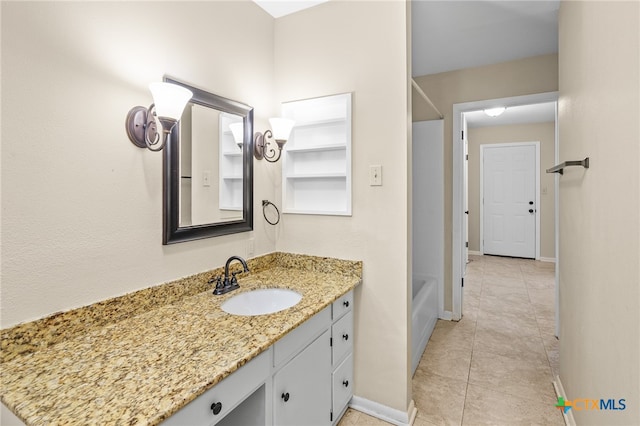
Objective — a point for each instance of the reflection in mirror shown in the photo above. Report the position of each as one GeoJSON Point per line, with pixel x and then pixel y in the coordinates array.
{"type": "Point", "coordinates": [208, 169]}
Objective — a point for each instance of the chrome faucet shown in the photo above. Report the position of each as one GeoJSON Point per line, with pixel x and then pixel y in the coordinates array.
{"type": "Point", "coordinates": [227, 284]}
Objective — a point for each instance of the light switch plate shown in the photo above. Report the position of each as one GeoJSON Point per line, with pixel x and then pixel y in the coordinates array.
{"type": "Point", "coordinates": [206, 178]}
{"type": "Point", "coordinates": [375, 175]}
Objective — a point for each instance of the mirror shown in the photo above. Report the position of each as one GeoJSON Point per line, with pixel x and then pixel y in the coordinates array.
{"type": "Point", "coordinates": [208, 169]}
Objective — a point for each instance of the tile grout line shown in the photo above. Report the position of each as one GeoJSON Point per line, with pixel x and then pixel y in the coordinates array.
{"type": "Point", "coordinates": [473, 342]}
{"type": "Point", "coordinates": [537, 317]}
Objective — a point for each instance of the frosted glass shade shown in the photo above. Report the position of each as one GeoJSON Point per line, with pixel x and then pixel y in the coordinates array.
{"type": "Point", "coordinates": [237, 129]}
{"type": "Point", "coordinates": [494, 112]}
{"type": "Point", "coordinates": [281, 128]}
{"type": "Point", "coordinates": [169, 99]}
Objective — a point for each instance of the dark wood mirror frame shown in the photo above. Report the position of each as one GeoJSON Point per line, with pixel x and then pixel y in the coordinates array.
{"type": "Point", "coordinates": [172, 231]}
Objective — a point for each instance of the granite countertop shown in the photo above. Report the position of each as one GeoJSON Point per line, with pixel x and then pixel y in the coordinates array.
{"type": "Point", "coordinates": [139, 358]}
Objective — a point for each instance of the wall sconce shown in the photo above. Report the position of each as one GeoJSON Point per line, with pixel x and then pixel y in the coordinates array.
{"type": "Point", "coordinates": [281, 130]}
{"type": "Point", "coordinates": [169, 101]}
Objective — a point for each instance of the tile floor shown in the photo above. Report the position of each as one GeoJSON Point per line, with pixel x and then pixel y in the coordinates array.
{"type": "Point", "coordinates": [496, 365]}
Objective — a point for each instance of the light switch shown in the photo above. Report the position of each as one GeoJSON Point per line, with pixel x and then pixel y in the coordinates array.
{"type": "Point", "coordinates": [206, 178]}
{"type": "Point", "coordinates": [375, 175]}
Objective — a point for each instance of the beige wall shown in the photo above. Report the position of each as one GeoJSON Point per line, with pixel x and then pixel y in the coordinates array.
{"type": "Point", "coordinates": [527, 76]}
{"type": "Point", "coordinates": [538, 132]}
{"type": "Point", "coordinates": [599, 225]}
{"type": "Point", "coordinates": [81, 205]}
{"type": "Point", "coordinates": [332, 49]}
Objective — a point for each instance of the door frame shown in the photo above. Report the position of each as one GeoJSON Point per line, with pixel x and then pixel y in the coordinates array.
{"type": "Point", "coordinates": [535, 144]}
{"type": "Point", "coordinates": [457, 245]}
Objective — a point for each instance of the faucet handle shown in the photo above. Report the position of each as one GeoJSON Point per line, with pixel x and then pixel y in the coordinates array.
{"type": "Point", "coordinates": [217, 280]}
{"type": "Point", "coordinates": [234, 280]}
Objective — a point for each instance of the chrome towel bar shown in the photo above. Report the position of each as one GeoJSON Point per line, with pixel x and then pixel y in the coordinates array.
{"type": "Point", "coordinates": [560, 167]}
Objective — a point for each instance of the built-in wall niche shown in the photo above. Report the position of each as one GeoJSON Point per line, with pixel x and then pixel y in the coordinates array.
{"type": "Point", "coordinates": [316, 169]}
{"type": "Point", "coordinates": [230, 168]}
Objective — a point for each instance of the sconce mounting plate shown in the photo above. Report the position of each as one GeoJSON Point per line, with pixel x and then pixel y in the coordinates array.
{"type": "Point", "coordinates": [258, 146]}
{"type": "Point", "coordinates": [136, 123]}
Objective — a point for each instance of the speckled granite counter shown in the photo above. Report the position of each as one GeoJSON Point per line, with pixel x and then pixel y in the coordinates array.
{"type": "Point", "coordinates": [139, 358]}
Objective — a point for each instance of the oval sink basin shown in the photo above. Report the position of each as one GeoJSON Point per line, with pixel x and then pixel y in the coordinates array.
{"type": "Point", "coordinates": [261, 302]}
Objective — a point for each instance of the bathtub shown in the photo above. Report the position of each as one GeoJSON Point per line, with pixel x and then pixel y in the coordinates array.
{"type": "Point", "coordinates": [423, 317]}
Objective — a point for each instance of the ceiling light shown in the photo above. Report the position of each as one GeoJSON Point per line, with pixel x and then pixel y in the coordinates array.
{"type": "Point", "coordinates": [494, 112]}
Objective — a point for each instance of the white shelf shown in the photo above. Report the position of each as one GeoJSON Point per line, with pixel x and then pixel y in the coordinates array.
{"type": "Point", "coordinates": [340, 147]}
{"type": "Point", "coordinates": [319, 212]}
{"type": "Point", "coordinates": [230, 166]}
{"type": "Point", "coordinates": [316, 161]}
{"type": "Point", "coordinates": [317, 176]}
{"type": "Point", "coordinates": [317, 123]}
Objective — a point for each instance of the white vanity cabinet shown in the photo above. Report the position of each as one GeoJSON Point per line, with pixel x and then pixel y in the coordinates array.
{"type": "Point", "coordinates": [301, 388]}
{"type": "Point", "coordinates": [341, 355]}
{"type": "Point", "coordinates": [314, 380]}
{"type": "Point", "coordinates": [305, 378]}
{"type": "Point", "coordinates": [302, 379]}
{"type": "Point", "coordinates": [244, 389]}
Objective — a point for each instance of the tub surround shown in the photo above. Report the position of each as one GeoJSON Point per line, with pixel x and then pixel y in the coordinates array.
{"type": "Point", "coordinates": [139, 358]}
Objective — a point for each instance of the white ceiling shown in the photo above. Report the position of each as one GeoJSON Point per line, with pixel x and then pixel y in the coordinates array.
{"type": "Point", "coordinates": [451, 35]}
{"type": "Point", "coordinates": [537, 113]}
{"type": "Point", "coordinates": [278, 8]}
{"type": "Point", "coordinates": [455, 34]}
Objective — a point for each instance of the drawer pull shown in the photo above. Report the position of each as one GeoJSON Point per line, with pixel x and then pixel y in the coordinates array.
{"type": "Point", "coordinates": [345, 336]}
{"type": "Point", "coordinates": [345, 383]}
{"type": "Point", "coordinates": [216, 407]}
{"type": "Point", "coordinates": [285, 396]}
{"type": "Point", "coordinates": [346, 303]}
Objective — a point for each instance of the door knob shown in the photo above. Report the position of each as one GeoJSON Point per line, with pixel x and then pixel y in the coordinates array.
{"type": "Point", "coordinates": [530, 210]}
{"type": "Point", "coordinates": [285, 396]}
{"type": "Point", "coordinates": [530, 203]}
{"type": "Point", "coordinates": [466, 212]}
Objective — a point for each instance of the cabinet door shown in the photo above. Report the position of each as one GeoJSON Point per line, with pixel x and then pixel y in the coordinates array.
{"type": "Point", "coordinates": [302, 389]}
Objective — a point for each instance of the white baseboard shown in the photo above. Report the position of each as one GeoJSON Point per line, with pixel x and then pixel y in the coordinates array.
{"type": "Point", "coordinates": [382, 412]}
{"type": "Point", "coordinates": [568, 416]}
{"type": "Point", "coordinates": [547, 259]}
{"type": "Point", "coordinates": [475, 252]}
{"type": "Point", "coordinates": [446, 315]}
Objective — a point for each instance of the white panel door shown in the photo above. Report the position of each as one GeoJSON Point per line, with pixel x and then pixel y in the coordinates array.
{"type": "Point", "coordinates": [509, 190]}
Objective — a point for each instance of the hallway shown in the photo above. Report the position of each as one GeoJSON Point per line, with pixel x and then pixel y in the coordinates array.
{"type": "Point", "coordinates": [496, 365]}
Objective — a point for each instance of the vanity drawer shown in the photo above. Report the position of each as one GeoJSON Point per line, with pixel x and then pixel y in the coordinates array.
{"type": "Point", "coordinates": [342, 382]}
{"type": "Point", "coordinates": [300, 337]}
{"type": "Point", "coordinates": [342, 305]}
{"type": "Point", "coordinates": [229, 393]}
{"type": "Point", "coordinates": [342, 334]}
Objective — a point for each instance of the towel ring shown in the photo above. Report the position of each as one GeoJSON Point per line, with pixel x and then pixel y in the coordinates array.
{"type": "Point", "coordinates": [266, 203]}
